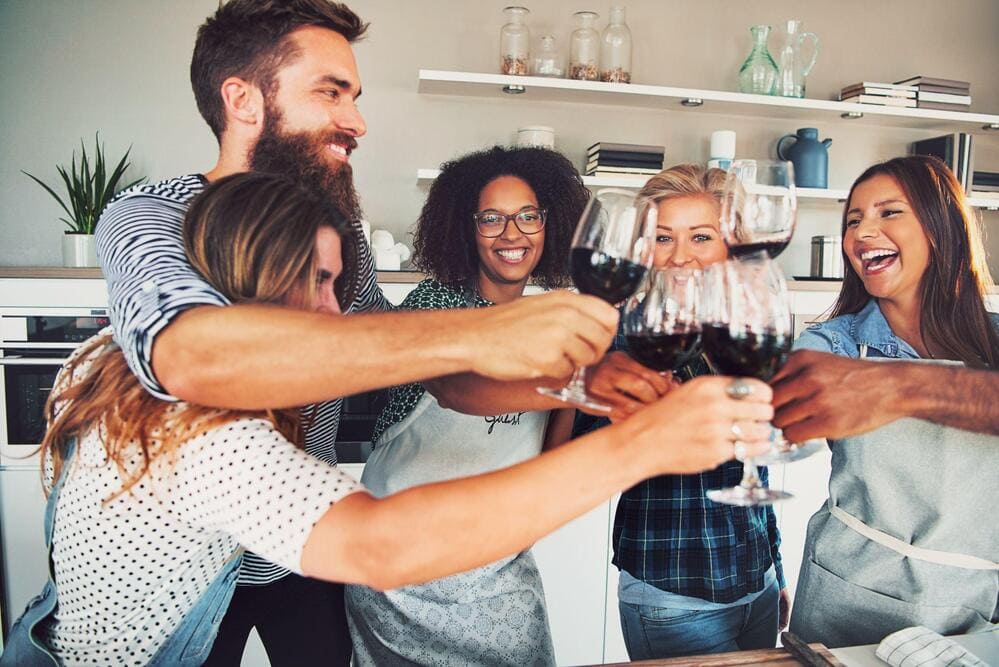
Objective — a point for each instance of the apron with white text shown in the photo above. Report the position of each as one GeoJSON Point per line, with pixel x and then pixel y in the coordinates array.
{"type": "Point", "coordinates": [493, 615]}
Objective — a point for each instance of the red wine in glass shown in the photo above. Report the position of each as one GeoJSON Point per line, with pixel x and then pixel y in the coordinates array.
{"type": "Point", "coordinates": [772, 248]}
{"type": "Point", "coordinates": [663, 351]}
{"type": "Point", "coordinates": [758, 354]}
{"type": "Point", "coordinates": [613, 279]}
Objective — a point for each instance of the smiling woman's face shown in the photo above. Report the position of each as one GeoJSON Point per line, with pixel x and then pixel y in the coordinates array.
{"type": "Point", "coordinates": [884, 241]}
{"type": "Point", "coordinates": [509, 258]}
{"type": "Point", "coordinates": [687, 233]}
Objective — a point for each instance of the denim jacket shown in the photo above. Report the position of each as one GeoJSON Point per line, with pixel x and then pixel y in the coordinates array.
{"type": "Point", "coordinates": [188, 645]}
{"type": "Point", "coordinates": [844, 335]}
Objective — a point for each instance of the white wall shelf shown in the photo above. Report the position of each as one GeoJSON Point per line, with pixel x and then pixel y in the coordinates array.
{"type": "Point", "coordinates": [440, 82]}
{"type": "Point", "coordinates": [818, 195]}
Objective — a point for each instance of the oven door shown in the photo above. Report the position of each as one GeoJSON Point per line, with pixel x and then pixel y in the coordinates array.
{"type": "Point", "coordinates": [26, 378]}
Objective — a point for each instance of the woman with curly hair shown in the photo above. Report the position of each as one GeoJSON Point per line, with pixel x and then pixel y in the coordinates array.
{"type": "Point", "coordinates": [493, 220]}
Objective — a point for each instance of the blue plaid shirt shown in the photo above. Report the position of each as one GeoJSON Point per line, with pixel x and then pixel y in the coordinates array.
{"type": "Point", "coordinates": [668, 534]}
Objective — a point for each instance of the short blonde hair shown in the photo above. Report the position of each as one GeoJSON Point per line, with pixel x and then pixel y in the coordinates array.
{"type": "Point", "coordinates": [684, 180]}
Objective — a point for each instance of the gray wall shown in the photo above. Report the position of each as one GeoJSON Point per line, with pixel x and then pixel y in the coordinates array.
{"type": "Point", "coordinates": [71, 67]}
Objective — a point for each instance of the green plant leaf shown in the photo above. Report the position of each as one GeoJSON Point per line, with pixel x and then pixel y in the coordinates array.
{"type": "Point", "coordinates": [50, 191]}
{"type": "Point", "coordinates": [89, 186]}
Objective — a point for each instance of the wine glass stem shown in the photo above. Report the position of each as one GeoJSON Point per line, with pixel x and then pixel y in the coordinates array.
{"type": "Point", "coordinates": [750, 477]}
{"type": "Point", "coordinates": [577, 382]}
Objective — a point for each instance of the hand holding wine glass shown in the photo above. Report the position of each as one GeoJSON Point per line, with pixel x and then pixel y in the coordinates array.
{"type": "Point", "coordinates": [611, 252]}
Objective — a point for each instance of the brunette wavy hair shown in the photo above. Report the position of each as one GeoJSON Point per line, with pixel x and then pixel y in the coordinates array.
{"type": "Point", "coordinates": [444, 241]}
{"type": "Point", "coordinates": [953, 287]}
{"type": "Point", "coordinates": [252, 237]}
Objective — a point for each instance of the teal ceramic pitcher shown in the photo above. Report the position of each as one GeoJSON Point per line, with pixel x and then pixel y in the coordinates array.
{"type": "Point", "coordinates": [809, 156]}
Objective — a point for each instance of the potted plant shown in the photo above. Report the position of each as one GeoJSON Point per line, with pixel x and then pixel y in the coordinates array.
{"type": "Point", "coordinates": [89, 188]}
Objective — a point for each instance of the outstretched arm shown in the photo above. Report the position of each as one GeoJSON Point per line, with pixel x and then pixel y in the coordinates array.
{"type": "Point", "coordinates": [431, 531]}
{"type": "Point", "coordinates": [253, 356]}
{"type": "Point", "coordinates": [817, 394]}
{"type": "Point", "coordinates": [617, 380]}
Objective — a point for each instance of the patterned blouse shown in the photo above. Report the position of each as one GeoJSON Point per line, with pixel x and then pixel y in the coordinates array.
{"type": "Point", "coordinates": [428, 295]}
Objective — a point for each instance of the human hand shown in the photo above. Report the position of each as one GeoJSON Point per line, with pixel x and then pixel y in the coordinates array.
{"type": "Point", "coordinates": [783, 610]}
{"type": "Point", "coordinates": [694, 427]}
{"type": "Point", "coordinates": [624, 384]}
{"type": "Point", "coordinates": [822, 395]}
{"type": "Point", "coordinates": [548, 335]}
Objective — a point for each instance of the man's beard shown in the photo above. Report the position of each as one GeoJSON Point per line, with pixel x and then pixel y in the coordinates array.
{"type": "Point", "coordinates": [302, 157]}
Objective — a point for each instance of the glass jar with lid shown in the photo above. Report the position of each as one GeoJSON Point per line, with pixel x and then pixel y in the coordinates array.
{"type": "Point", "coordinates": [615, 49]}
{"type": "Point", "coordinates": [547, 61]}
{"type": "Point", "coordinates": [515, 42]}
{"type": "Point", "coordinates": [584, 48]}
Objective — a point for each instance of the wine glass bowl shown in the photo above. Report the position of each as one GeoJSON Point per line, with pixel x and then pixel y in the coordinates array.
{"type": "Point", "coordinates": [662, 325]}
{"type": "Point", "coordinates": [746, 331]}
{"type": "Point", "coordinates": [612, 251]}
{"type": "Point", "coordinates": [759, 207]}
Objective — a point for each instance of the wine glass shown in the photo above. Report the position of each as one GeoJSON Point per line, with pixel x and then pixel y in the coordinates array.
{"type": "Point", "coordinates": [759, 207]}
{"type": "Point", "coordinates": [746, 331]}
{"type": "Point", "coordinates": [611, 252]}
{"type": "Point", "coordinates": [662, 324]}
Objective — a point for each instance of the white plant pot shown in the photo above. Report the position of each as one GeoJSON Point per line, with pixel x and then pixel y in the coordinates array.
{"type": "Point", "coordinates": [79, 250]}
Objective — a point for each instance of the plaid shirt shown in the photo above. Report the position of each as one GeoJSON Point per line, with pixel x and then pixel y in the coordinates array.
{"type": "Point", "coordinates": [668, 534]}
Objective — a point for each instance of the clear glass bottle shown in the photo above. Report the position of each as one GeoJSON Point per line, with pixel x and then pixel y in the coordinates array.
{"type": "Point", "coordinates": [793, 66]}
{"type": "Point", "coordinates": [758, 74]}
{"type": "Point", "coordinates": [515, 42]}
{"type": "Point", "coordinates": [615, 49]}
{"type": "Point", "coordinates": [584, 48]}
{"type": "Point", "coordinates": [547, 61]}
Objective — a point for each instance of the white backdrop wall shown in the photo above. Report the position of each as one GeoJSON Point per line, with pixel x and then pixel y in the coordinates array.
{"type": "Point", "coordinates": [69, 68]}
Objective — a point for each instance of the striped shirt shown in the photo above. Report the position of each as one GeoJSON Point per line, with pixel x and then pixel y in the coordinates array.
{"type": "Point", "coordinates": [150, 281]}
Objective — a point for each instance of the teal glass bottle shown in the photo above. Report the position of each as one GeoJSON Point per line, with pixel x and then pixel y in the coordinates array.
{"type": "Point", "coordinates": [758, 75]}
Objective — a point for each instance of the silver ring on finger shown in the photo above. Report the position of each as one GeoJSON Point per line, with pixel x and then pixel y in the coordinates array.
{"type": "Point", "coordinates": [739, 389]}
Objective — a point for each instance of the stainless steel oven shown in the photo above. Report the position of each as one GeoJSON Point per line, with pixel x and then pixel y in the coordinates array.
{"type": "Point", "coordinates": [34, 343]}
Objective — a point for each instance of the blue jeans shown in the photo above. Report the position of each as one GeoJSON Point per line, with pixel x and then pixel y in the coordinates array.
{"type": "Point", "coordinates": [660, 632]}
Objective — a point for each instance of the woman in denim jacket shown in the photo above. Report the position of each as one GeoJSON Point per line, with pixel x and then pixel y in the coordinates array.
{"type": "Point", "coordinates": [899, 542]}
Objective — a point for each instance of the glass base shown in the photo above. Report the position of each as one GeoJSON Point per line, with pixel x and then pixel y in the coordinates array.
{"type": "Point", "coordinates": [746, 497]}
{"type": "Point", "coordinates": [579, 399]}
{"type": "Point", "coordinates": [783, 451]}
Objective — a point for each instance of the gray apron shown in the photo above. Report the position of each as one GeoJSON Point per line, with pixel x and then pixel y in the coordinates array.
{"type": "Point", "coordinates": [494, 615]}
{"type": "Point", "coordinates": [909, 536]}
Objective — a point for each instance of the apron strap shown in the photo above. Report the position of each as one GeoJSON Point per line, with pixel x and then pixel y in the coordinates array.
{"type": "Point", "coordinates": [910, 551]}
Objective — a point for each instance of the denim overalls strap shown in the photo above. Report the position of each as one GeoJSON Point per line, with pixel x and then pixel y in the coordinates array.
{"type": "Point", "coordinates": [188, 645]}
{"type": "Point", "coordinates": [22, 646]}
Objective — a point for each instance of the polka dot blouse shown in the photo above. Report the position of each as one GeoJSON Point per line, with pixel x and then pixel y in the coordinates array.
{"type": "Point", "coordinates": [127, 570]}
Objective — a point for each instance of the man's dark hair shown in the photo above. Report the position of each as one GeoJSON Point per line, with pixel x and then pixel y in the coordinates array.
{"type": "Point", "coordinates": [445, 239]}
{"type": "Point", "coordinates": [250, 39]}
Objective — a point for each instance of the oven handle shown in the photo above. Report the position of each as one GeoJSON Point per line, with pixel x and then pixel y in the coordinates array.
{"type": "Point", "coordinates": [31, 361]}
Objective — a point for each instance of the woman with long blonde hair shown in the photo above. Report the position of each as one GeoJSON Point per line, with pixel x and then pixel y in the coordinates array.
{"type": "Point", "coordinates": [150, 503]}
{"type": "Point", "coordinates": [695, 576]}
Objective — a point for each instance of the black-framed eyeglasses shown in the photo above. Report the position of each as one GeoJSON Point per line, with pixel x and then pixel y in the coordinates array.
{"type": "Point", "coordinates": [493, 223]}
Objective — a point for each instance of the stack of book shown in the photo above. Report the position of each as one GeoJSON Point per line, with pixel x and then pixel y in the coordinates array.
{"type": "Point", "coordinates": [884, 94]}
{"type": "Point", "coordinates": [607, 159]}
{"type": "Point", "coordinates": [985, 184]}
{"type": "Point", "coordinates": [942, 94]}
{"type": "Point", "coordinates": [954, 149]}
